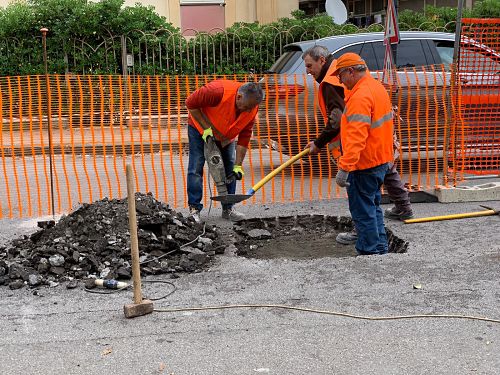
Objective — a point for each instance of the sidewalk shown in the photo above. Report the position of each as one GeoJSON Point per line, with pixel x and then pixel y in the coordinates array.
{"type": "Point", "coordinates": [99, 140]}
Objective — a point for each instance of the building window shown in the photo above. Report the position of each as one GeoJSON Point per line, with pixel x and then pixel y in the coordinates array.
{"type": "Point", "coordinates": [359, 7]}
{"type": "Point", "coordinates": [312, 7]}
{"type": "Point", "coordinates": [202, 16]}
{"type": "Point", "coordinates": [378, 6]}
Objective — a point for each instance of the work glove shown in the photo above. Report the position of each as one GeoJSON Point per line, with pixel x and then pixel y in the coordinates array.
{"type": "Point", "coordinates": [238, 172]}
{"type": "Point", "coordinates": [207, 133]}
{"type": "Point", "coordinates": [313, 148]}
{"type": "Point", "coordinates": [341, 178]}
{"type": "Point", "coordinates": [335, 117]}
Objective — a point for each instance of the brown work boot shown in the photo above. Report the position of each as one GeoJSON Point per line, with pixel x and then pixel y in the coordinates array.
{"type": "Point", "coordinates": [347, 238]}
{"type": "Point", "coordinates": [194, 213]}
{"type": "Point", "coordinates": [397, 214]}
{"type": "Point", "coordinates": [232, 214]}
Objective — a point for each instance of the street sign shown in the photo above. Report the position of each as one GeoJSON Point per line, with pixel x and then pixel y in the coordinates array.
{"type": "Point", "coordinates": [391, 24]}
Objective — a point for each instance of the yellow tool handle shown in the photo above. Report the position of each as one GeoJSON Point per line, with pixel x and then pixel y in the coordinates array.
{"type": "Point", "coordinates": [274, 172]}
{"type": "Point", "coordinates": [451, 217]}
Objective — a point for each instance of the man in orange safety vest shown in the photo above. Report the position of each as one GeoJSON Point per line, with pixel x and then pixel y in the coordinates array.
{"type": "Point", "coordinates": [320, 64]}
{"type": "Point", "coordinates": [224, 110]}
{"type": "Point", "coordinates": [366, 133]}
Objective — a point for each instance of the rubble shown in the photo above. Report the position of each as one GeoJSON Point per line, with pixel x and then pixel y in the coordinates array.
{"type": "Point", "coordinates": [94, 241]}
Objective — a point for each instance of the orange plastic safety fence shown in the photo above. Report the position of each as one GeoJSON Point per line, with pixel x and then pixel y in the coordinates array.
{"type": "Point", "coordinates": [98, 124]}
{"type": "Point", "coordinates": [476, 135]}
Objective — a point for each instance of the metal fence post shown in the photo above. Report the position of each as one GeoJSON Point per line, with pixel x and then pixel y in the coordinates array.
{"type": "Point", "coordinates": [125, 72]}
{"type": "Point", "coordinates": [449, 138]}
{"type": "Point", "coordinates": [44, 31]}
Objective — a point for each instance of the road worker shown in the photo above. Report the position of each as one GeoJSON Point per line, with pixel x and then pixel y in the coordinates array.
{"type": "Point", "coordinates": [367, 150]}
{"type": "Point", "coordinates": [224, 110]}
{"type": "Point", "coordinates": [321, 65]}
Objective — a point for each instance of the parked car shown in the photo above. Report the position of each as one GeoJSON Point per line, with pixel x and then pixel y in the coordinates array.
{"type": "Point", "coordinates": [423, 59]}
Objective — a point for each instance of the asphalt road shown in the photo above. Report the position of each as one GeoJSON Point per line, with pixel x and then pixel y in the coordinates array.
{"type": "Point", "coordinates": [456, 262]}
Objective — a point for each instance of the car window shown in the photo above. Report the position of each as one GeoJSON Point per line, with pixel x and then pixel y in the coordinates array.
{"type": "Point", "coordinates": [356, 48]}
{"type": "Point", "coordinates": [365, 50]}
{"type": "Point", "coordinates": [473, 59]}
{"type": "Point", "coordinates": [286, 61]}
{"type": "Point", "coordinates": [368, 54]}
{"type": "Point", "coordinates": [409, 53]}
{"type": "Point", "coordinates": [445, 52]}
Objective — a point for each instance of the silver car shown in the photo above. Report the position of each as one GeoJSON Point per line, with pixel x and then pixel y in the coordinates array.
{"type": "Point", "coordinates": [291, 117]}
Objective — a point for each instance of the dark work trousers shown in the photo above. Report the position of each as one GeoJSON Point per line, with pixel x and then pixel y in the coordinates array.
{"type": "Point", "coordinates": [195, 168]}
{"type": "Point", "coordinates": [396, 189]}
{"type": "Point", "coordinates": [364, 197]}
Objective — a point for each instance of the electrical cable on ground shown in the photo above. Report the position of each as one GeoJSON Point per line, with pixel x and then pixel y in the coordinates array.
{"type": "Point", "coordinates": [327, 312]}
{"type": "Point", "coordinates": [174, 288]}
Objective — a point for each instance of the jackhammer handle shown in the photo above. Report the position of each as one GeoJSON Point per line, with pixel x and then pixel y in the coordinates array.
{"type": "Point", "coordinates": [274, 172]}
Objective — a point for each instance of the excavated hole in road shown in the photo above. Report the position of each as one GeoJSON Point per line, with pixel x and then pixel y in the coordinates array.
{"type": "Point", "coordinates": [300, 237]}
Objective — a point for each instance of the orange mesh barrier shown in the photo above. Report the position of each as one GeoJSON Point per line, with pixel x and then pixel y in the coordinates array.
{"type": "Point", "coordinates": [476, 135]}
{"type": "Point", "coordinates": [95, 125]}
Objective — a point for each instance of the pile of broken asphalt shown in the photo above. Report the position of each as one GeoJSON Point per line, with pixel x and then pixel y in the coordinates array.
{"type": "Point", "coordinates": [94, 242]}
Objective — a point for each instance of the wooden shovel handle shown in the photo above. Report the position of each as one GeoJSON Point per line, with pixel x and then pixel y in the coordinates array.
{"type": "Point", "coordinates": [134, 243]}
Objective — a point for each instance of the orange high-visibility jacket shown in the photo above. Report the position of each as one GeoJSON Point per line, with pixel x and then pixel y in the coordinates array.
{"type": "Point", "coordinates": [223, 116]}
{"type": "Point", "coordinates": [334, 145]}
{"type": "Point", "coordinates": [366, 128]}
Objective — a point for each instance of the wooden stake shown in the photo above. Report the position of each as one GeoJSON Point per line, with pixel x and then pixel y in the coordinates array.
{"type": "Point", "coordinates": [140, 306]}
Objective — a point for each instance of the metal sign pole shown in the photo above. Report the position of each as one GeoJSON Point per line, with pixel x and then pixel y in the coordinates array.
{"type": "Point", "coordinates": [454, 83]}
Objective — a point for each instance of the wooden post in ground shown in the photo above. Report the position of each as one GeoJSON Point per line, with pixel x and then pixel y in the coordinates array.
{"type": "Point", "coordinates": [139, 307]}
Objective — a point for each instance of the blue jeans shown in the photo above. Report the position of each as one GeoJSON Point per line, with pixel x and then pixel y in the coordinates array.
{"type": "Point", "coordinates": [196, 164]}
{"type": "Point", "coordinates": [364, 203]}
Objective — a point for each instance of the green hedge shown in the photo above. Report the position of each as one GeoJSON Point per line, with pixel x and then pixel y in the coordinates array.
{"type": "Point", "coordinates": [84, 37]}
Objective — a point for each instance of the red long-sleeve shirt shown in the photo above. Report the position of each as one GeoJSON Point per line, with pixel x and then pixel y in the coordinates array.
{"type": "Point", "coordinates": [211, 95]}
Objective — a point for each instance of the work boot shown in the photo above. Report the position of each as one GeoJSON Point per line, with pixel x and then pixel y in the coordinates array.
{"type": "Point", "coordinates": [347, 238]}
{"type": "Point", "coordinates": [195, 214]}
{"type": "Point", "coordinates": [397, 214]}
{"type": "Point", "coordinates": [232, 214]}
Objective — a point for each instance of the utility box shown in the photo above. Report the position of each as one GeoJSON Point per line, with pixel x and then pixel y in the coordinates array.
{"type": "Point", "coordinates": [130, 59]}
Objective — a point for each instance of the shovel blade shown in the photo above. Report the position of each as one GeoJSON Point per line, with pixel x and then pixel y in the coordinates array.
{"type": "Point", "coordinates": [231, 198]}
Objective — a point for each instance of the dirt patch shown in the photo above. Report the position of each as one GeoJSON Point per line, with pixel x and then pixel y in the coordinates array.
{"type": "Point", "coordinates": [300, 237]}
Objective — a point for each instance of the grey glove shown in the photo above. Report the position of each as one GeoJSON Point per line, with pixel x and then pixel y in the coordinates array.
{"type": "Point", "coordinates": [335, 116]}
{"type": "Point", "coordinates": [341, 178]}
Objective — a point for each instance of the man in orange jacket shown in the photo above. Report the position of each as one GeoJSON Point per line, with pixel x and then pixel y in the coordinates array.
{"type": "Point", "coordinates": [321, 65]}
{"type": "Point", "coordinates": [367, 149]}
{"type": "Point", "coordinates": [224, 110]}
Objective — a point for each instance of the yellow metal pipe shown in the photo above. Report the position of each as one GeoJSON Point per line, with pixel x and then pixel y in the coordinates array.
{"type": "Point", "coordinates": [451, 217]}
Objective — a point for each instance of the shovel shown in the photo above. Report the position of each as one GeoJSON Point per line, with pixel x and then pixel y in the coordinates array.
{"type": "Point", "coordinates": [236, 198]}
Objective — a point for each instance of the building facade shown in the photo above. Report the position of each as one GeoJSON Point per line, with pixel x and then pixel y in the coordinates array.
{"type": "Point", "coordinates": [207, 15]}
{"type": "Point", "coordinates": [213, 15]}
{"type": "Point", "coordinates": [370, 8]}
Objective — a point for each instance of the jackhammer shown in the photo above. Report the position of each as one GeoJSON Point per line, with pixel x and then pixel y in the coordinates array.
{"type": "Point", "coordinates": [216, 166]}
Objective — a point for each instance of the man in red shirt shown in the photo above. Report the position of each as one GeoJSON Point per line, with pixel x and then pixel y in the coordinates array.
{"type": "Point", "coordinates": [224, 110]}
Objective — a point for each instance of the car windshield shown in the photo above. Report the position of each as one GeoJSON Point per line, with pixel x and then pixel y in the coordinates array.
{"type": "Point", "coordinates": [286, 61]}
{"type": "Point", "coordinates": [473, 59]}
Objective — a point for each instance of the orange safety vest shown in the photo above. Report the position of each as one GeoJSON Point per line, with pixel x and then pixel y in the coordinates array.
{"type": "Point", "coordinates": [366, 128]}
{"type": "Point", "coordinates": [223, 116]}
{"type": "Point", "coordinates": [334, 145]}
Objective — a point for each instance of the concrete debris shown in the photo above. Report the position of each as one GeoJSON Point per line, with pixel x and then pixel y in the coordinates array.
{"type": "Point", "coordinates": [259, 234]}
{"type": "Point", "coordinates": [94, 241]}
